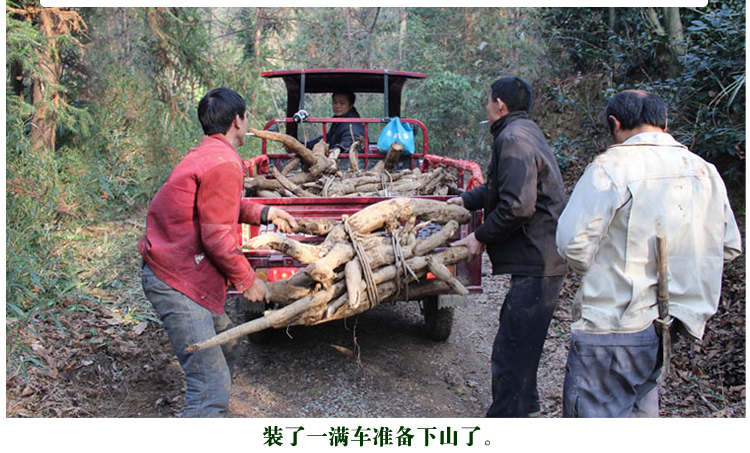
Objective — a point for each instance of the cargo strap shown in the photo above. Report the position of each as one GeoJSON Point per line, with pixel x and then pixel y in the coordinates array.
{"type": "Point", "coordinates": [327, 185]}
{"type": "Point", "coordinates": [386, 180]}
{"type": "Point", "coordinates": [401, 267]}
{"type": "Point", "coordinates": [664, 322]}
{"type": "Point", "coordinates": [370, 286]}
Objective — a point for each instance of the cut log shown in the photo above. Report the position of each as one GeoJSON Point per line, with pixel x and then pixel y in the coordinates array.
{"type": "Point", "coordinates": [310, 309]}
{"type": "Point", "coordinates": [354, 154]}
{"type": "Point", "coordinates": [338, 309]}
{"type": "Point", "coordinates": [304, 253]}
{"type": "Point", "coordinates": [314, 162]}
{"type": "Point", "coordinates": [291, 165]}
{"type": "Point", "coordinates": [304, 154]}
{"type": "Point", "coordinates": [325, 179]}
{"type": "Point", "coordinates": [322, 270]}
{"type": "Point", "coordinates": [373, 217]}
{"type": "Point", "coordinates": [394, 154]}
{"type": "Point", "coordinates": [388, 287]}
{"type": "Point", "coordinates": [284, 292]}
{"type": "Point", "coordinates": [256, 183]}
{"type": "Point", "coordinates": [289, 185]}
{"type": "Point", "coordinates": [317, 227]}
{"type": "Point", "coordinates": [268, 194]}
{"type": "Point", "coordinates": [354, 282]}
{"type": "Point", "coordinates": [441, 272]}
{"type": "Point", "coordinates": [435, 240]}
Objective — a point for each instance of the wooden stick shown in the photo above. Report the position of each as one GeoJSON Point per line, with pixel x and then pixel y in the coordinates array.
{"type": "Point", "coordinates": [441, 272]}
{"type": "Point", "coordinates": [268, 320]}
{"type": "Point", "coordinates": [354, 154]}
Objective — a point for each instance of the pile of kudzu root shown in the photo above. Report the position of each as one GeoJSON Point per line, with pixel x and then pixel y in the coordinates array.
{"type": "Point", "coordinates": [375, 255]}
{"type": "Point", "coordinates": [320, 175]}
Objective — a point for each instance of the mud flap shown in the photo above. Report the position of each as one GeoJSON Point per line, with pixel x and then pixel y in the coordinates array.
{"type": "Point", "coordinates": [452, 300]}
{"type": "Point", "coordinates": [438, 316]}
{"type": "Point", "coordinates": [248, 311]}
{"type": "Point", "coordinates": [243, 305]}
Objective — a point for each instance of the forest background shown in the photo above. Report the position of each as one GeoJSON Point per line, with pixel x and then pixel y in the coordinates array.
{"type": "Point", "coordinates": [101, 103]}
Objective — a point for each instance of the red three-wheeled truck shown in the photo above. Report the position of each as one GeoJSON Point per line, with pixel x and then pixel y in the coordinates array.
{"type": "Point", "coordinates": [270, 265]}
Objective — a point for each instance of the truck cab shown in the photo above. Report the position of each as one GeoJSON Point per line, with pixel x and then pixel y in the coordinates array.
{"type": "Point", "coordinates": [300, 84]}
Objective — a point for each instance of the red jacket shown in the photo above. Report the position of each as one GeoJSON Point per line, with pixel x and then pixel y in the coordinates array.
{"type": "Point", "coordinates": [192, 239]}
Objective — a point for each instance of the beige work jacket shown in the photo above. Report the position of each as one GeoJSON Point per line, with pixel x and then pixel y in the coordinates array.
{"type": "Point", "coordinates": [648, 185]}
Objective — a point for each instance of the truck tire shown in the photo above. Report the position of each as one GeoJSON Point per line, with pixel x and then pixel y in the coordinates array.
{"type": "Point", "coordinates": [438, 321]}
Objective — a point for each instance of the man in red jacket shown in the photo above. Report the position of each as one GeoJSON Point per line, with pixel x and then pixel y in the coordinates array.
{"type": "Point", "coordinates": [191, 250]}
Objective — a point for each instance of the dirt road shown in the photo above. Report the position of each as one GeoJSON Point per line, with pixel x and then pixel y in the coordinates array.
{"type": "Point", "coordinates": [379, 364]}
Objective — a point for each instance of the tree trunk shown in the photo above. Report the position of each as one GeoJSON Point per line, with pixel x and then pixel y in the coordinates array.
{"type": "Point", "coordinates": [44, 94]}
{"type": "Point", "coordinates": [257, 36]}
{"type": "Point", "coordinates": [673, 25]}
{"type": "Point", "coordinates": [402, 33]}
{"type": "Point", "coordinates": [671, 28]}
{"type": "Point", "coordinates": [16, 79]}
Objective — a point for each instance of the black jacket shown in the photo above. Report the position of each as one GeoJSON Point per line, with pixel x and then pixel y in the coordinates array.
{"type": "Point", "coordinates": [522, 200]}
{"type": "Point", "coordinates": [340, 135]}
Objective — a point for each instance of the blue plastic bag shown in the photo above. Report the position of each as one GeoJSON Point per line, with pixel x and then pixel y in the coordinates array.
{"type": "Point", "coordinates": [396, 131]}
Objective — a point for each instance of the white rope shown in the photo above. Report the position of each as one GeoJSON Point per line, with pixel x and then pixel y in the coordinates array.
{"type": "Point", "coordinates": [370, 286]}
{"type": "Point", "coordinates": [401, 267]}
{"type": "Point", "coordinates": [387, 187]}
{"type": "Point", "coordinates": [328, 184]}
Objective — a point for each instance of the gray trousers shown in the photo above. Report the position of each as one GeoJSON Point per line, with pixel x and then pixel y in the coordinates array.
{"type": "Point", "coordinates": [612, 375]}
{"type": "Point", "coordinates": [208, 373]}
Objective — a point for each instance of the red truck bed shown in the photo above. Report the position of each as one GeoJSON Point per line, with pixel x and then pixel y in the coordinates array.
{"type": "Point", "coordinates": [271, 265]}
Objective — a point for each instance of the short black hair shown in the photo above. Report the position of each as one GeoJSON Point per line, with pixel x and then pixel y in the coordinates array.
{"type": "Point", "coordinates": [218, 108]}
{"type": "Point", "coordinates": [634, 108]}
{"type": "Point", "coordinates": [351, 96]}
{"type": "Point", "coordinates": [514, 92]}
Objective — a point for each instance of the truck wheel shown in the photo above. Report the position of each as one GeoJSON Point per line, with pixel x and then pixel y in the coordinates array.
{"type": "Point", "coordinates": [438, 321]}
{"type": "Point", "coordinates": [262, 337]}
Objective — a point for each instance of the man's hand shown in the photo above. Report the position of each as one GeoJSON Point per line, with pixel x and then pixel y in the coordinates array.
{"type": "Point", "coordinates": [258, 292]}
{"type": "Point", "coordinates": [282, 220]}
{"type": "Point", "coordinates": [471, 243]}
{"type": "Point", "coordinates": [458, 201]}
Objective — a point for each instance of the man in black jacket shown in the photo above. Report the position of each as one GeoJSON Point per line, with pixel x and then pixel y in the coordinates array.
{"type": "Point", "coordinates": [522, 200]}
{"type": "Point", "coordinates": [342, 135]}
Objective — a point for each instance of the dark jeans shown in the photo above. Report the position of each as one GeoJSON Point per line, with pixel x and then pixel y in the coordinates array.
{"type": "Point", "coordinates": [612, 375]}
{"type": "Point", "coordinates": [208, 373]}
{"type": "Point", "coordinates": [524, 319]}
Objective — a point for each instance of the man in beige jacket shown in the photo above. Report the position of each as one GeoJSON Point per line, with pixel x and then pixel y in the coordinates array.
{"type": "Point", "coordinates": [646, 184]}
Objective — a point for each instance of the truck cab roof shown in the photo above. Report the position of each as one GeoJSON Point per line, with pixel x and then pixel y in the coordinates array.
{"type": "Point", "coordinates": [301, 81]}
